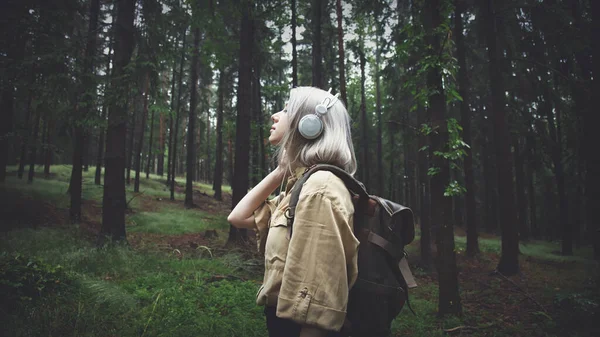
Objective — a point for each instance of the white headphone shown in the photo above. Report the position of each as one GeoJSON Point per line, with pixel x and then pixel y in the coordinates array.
{"type": "Point", "coordinates": [311, 126]}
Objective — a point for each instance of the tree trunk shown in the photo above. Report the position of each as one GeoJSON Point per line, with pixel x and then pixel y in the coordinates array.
{"type": "Point", "coordinates": [113, 201]}
{"type": "Point", "coordinates": [7, 125]}
{"type": "Point", "coordinates": [230, 161]}
{"type": "Point", "coordinates": [262, 163]}
{"type": "Point", "coordinates": [364, 121]}
{"type": "Point", "coordinates": [131, 133]}
{"type": "Point", "coordinates": [86, 151]}
{"type": "Point", "coordinates": [491, 202]}
{"type": "Point", "coordinates": [150, 143]}
{"type": "Point", "coordinates": [160, 165]}
{"type": "Point", "coordinates": [218, 180]}
{"type": "Point", "coordinates": [244, 116]}
{"type": "Point", "coordinates": [101, 138]}
{"type": "Point", "coordinates": [449, 298]}
{"type": "Point", "coordinates": [171, 117]}
{"type": "Point", "coordinates": [392, 176]}
{"type": "Point", "coordinates": [33, 147]}
{"type": "Point", "coordinates": [48, 146]}
{"type": "Point", "coordinates": [101, 145]}
{"type": "Point", "coordinates": [75, 186]}
{"type": "Point", "coordinates": [140, 142]}
{"type": "Point", "coordinates": [472, 236]}
{"type": "Point", "coordinates": [559, 175]}
{"type": "Point", "coordinates": [590, 121]}
{"type": "Point", "coordinates": [509, 260]}
{"type": "Point", "coordinates": [520, 182]}
{"type": "Point", "coordinates": [27, 134]}
{"type": "Point", "coordinates": [423, 117]}
{"type": "Point", "coordinates": [208, 167]}
{"type": "Point", "coordinates": [317, 56]}
{"type": "Point", "coordinates": [254, 147]}
{"type": "Point", "coordinates": [294, 52]}
{"type": "Point", "coordinates": [12, 57]}
{"type": "Point", "coordinates": [191, 149]}
{"type": "Point", "coordinates": [174, 145]}
{"type": "Point", "coordinates": [379, 121]}
{"type": "Point", "coordinates": [341, 55]}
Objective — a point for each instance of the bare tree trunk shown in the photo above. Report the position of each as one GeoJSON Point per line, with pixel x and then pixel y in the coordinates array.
{"type": "Point", "coordinates": [160, 165]}
{"type": "Point", "coordinates": [150, 143]}
{"type": "Point", "coordinates": [472, 236]}
{"type": "Point", "coordinates": [131, 133]}
{"type": "Point", "coordinates": [75, 186]}
{"type": "Point", "coordinates": [509, 261]}
{"type": "Point", "coordinates": [171, 117]}
{"type": "Point", "coordinates": [317, 56]}
{"type": "Point", "coordinates": [102, 137]}
{"type": "Point", "coordinates": [174, 145]}
{"type": "Point", "coordinates": [531, 181]}
{"type": "Point", "coordinates": [559, 174]}
{"type": "Point", "coordinates": [48, 146]}
{"type": "Point", "coordinates": [364, 121]}
{"type": "Point", "coordinates": [218, 180]}
{"type": "Point", "coordinates": [113, 201]}
{"type": "Point", "coordinates": [341, 54]}
{"type": "Point", "coordinates": [140, 142]}
{"type": "Point", "coordinates": [244, 116]}
{"type": "Point", "coordinates": [520, 182]}
{"type": "Point", "coordinates": [33, 147]}
{"type": "Point", "coordinates": [380, 187]}
{"type": "Point", "coordinates": [208, 165]}
{"type": "Point", "coordinates": [191, 149]}
{"type": "Point", "coordinates": [294, 52]}
{"type": "Point", "coordinates": [86, 150]}
{"type": "Point", "coordinates": [27, 134]}
{"type": "Point", "coordinates": [392, 180]}
{"type": "Point", "coordinates": [423, 117]}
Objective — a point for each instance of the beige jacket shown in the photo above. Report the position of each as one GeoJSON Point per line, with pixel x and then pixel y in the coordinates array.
{"type": "Point", "coordinates": [308, 276]}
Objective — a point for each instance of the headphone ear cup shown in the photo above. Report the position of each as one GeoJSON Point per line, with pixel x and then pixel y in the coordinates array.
{"type": "Point", "coordinates": [310, 126]}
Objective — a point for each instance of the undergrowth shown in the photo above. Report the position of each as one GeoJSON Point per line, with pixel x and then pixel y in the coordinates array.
{"type": "Point", "coordinates": [55, 281]}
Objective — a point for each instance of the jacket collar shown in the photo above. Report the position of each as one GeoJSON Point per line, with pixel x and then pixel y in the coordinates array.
{"type": "Point", "coordinates": [297, 174]}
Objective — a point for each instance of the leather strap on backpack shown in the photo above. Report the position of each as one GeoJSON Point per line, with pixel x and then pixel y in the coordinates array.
{"type": "Point", "coordinates": [351, 183]}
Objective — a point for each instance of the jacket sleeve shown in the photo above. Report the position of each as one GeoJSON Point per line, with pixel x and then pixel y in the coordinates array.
{"type": "Point", "coordinates": [262, 217]}
{"type": "Point", "coordinates": [314, 289]}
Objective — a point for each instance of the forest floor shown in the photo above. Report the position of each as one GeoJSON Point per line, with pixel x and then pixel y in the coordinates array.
{"type": "Point", "coordinates": [175, 278]}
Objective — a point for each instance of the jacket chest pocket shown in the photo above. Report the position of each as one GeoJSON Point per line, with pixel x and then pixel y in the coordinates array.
{"type": "Point", "coordinates": [277, 241]}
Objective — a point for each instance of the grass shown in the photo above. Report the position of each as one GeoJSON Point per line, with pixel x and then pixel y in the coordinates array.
{"type": "Point", "coordinates": [544, 250]}
{"type": "Point", "coordinates": [171, 220]}
{"type": "Point", "coordinates": [172, 282]}
{"type": "Point", "coordinates": [120, 291]}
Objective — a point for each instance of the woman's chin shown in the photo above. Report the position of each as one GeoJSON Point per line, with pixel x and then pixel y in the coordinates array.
{"type": "Point", "coordinates": [274, 140]}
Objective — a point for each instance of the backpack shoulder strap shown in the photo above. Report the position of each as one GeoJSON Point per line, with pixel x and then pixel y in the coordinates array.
{"type": "Point", "coordinates": [351, 183]}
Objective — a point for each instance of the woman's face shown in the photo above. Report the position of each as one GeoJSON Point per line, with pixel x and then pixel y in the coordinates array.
{"type": "Point", "coordinates": [280, 126]}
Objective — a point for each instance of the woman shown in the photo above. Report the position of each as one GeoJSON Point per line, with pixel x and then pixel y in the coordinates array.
{"type": "Point", "coordinates": [308, 275]}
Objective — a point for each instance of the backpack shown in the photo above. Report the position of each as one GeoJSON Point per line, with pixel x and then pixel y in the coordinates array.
{"type": "Point", "coordinates": [383, 229]}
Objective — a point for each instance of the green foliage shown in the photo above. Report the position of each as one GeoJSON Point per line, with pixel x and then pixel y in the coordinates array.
{"type": "Point", "coordinates": [118, 290]}
{"type": "Point", "coordinates": [423, 300]}
{"type": "Point", "coordinates": [454, 189]}
{"type": "Point", "coordinates": [578, 310]}
{"type": "Point", "coordinates": [28, 278]}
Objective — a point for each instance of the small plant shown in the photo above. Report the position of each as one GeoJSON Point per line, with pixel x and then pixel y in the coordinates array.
{"type": "Point", "coordinates": [27, 278]}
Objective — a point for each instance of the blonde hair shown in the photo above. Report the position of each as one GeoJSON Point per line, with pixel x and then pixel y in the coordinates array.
{"type": "Point", "coordinates": [334, 146]}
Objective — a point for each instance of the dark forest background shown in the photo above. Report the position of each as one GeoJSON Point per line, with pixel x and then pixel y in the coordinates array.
{"type": "Point", "coordinates": [478, 115]}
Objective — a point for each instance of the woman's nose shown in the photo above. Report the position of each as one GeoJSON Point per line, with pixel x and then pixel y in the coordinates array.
{"type": "Point", "coordinates": [275, 117]}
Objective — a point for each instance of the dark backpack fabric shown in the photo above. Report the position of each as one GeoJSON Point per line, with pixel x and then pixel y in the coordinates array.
{"type": "Point", "coordinates": [383, 228]}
